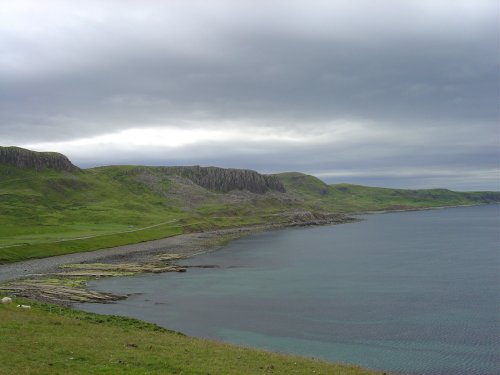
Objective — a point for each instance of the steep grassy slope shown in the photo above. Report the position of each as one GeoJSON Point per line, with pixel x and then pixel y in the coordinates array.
{"type": "Point", "coordinates": [47, 212]}
{"type": "Point", "coordinates": [41, 203]}
{"type": "Point", "coordinates": [53, 340]}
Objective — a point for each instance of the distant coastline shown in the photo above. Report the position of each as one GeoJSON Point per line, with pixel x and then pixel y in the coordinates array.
{"type": "Point", "coordinates": [421, 209]}
{"type": "Point", "coordinates": [142, 254]}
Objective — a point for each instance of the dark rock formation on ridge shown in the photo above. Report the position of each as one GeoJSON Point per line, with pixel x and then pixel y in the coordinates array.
{"type": "Point", "coordinates": [224, 180]}
{"type": "Point", "coordinates": [23, 158]}
{"type": "Point", "coordinates": [216, 179]}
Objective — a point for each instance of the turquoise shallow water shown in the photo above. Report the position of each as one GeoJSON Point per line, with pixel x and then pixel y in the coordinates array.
{"type": "Point", "coordinates": [411, 292]}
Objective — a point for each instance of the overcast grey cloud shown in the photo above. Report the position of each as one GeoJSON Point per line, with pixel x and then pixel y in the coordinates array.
{"type": "Point", "coordinates": [390, 93]}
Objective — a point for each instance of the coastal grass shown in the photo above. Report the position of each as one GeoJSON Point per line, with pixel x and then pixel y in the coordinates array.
{"type": "Point", "coordinates": [348, 198]}
{"type": "Point", "coordinates": [45, 212]}
{"type": "Point", "coordinates": [48, 339]}
{"type": "Point", "coordinates": [41, 250]}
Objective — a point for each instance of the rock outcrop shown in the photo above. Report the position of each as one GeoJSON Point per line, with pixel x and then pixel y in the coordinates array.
{"type": "Point", "coordinates": [223, 180]}
{"type": "Point", "coordinates": [23, 158]}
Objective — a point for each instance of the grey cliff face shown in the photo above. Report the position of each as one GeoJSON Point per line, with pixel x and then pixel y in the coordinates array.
{"type": "Point", "coordinates": [23, 158]}
{"type": "Point", "coordinates": [224, 180]}
{"type": "Point", "coordinates": [221, 180]}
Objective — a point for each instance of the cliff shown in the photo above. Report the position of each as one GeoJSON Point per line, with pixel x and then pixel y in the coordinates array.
{"type": "Point", "coordinates": [23, 158]}
{"type": "Point", "coordinates": [224, 180]}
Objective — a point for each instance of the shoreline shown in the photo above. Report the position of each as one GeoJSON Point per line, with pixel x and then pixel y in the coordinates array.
{"type": "Point", "coordinates": [420, 209]}
{"type": "Point", "coordinates": [184, 245]}
{"type": "Point", "coordinates": [145, 257]}
{"type": "Point", "coordinates": [62, 279]}
{"type": "Point", "coordinates": [140, 250]}
{"type": "Point", "coordinates": [188, 245]}
{"type": "Point", "coordinates": [39, 266]}
{"type": "Point", "coordinates": [155, 256]}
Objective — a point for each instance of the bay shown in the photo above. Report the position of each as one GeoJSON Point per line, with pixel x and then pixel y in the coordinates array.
{"type": "Point", "coordinates": [410, 292]}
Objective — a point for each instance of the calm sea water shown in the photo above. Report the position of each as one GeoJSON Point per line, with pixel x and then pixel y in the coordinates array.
{"type": "Point", "coordinates": [410, 292]}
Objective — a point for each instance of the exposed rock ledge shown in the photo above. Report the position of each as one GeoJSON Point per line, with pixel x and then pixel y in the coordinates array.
{"type": "Point", "coordinates": [221, 180]}
{"type": "Point", "coordinates": [224, 180]}
{"type": "Point", "coordinates": [23, 158]}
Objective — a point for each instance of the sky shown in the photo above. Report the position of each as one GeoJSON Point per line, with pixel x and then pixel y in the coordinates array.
{"type": "Point", "coordinates": [375, 92]}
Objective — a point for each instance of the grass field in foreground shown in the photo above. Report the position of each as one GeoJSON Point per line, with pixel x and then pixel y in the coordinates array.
{"type": "Point", "coordinates": [52, 340]}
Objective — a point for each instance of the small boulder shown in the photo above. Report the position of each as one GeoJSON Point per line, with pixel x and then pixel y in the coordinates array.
{"type": "Point", "coordinates": [6, 300]}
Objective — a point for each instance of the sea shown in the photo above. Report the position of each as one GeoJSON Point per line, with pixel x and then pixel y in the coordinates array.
{"type": "Point", "coordinates": [412, 292]}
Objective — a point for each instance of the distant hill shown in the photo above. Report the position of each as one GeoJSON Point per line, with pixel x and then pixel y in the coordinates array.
{"type": "Point", "coordinates": [49, 206]}
{"type": "Point", "coordinates": [354, 198]}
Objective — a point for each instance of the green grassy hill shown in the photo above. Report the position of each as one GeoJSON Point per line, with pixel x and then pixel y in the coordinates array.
{"type": "Point", "coordinates": [46, 212]}
{"type": "Point", "coordinates": [349, 198]}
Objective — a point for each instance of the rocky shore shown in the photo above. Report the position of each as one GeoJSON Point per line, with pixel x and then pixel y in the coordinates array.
{"type": "Point", "coordinates": [62, 279]}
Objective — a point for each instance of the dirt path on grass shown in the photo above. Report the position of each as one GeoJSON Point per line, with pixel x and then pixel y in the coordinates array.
{"type": "Point", "coordinates": [102, 235]}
